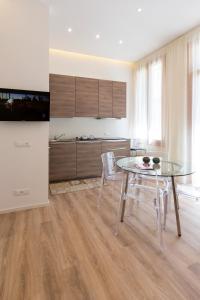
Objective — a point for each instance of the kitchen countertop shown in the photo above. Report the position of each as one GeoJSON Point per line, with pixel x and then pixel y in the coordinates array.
{"type": "Point", "coordinates": [62, 141]}
{"type": "Point", "coordinates": [88, 141]}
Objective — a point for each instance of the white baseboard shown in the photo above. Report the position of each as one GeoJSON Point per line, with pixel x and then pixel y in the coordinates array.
{"type": "Point", "coordinates": [16, 209]}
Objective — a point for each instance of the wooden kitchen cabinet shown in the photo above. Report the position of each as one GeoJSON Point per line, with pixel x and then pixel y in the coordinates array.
{"type": "Point", "coordinates": [70, 160]}
{"type": "Point", "coordinates": [105, 98]}
{"type": "Point", "coordinates": [119, 147]}
{"type": "Point", "coordinates": [62, 95]}
{"type": "Point", "coordinates": [89, 159]}
{"type": "Point", "coordinates": [119, 99]}
{"type": "Point", "coordinates": [62, 161]}
{"type": "Point", "coordinates": [87, 97]}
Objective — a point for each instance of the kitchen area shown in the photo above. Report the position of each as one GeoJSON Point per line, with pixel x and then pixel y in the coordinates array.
{"type": "Point", "coordinates": [80, 100]}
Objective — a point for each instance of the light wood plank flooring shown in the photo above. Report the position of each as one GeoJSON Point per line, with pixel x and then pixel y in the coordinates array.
{"type": "Point", "coordinates": [68, 251]}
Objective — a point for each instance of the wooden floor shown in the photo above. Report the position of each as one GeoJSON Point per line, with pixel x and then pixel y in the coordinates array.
{"type": "Point", "coordinates": [68, 251]}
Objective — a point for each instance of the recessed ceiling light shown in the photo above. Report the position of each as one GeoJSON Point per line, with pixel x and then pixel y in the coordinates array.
{"type": "Point", "coordinates": [97, 36]}
{"type": "Point", "coordinates": [139, 9]}
{"type": "Point", "coordinates": [120, 42]}
{"type": "Point", "coordinates": [69, 29]}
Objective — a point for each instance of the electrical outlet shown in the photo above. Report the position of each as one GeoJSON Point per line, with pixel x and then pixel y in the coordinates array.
{"type": "Point", "coordinates": [21, 192]}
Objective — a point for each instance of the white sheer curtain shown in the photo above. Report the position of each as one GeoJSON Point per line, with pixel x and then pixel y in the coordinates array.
{"type": "Point", "coordinates": [175, 120]}
{"type": "Point", "coordinates": [194, 75]}
{"type": "Point", "coordinates": [155, 101]}
{"type": "Point", "coordinates": [140, 109]}
{"type": "Point", "coordinates": [148, 103]}
{"type": "Point", "coordinates": [176, 105]}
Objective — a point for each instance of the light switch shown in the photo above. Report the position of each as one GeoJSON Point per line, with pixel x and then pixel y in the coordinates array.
{"type": "Point", "coordinates": [25, 144]}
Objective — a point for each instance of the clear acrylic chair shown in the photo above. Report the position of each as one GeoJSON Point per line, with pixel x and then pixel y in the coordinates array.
{"type": "Point", "coordinates": [113, 174]}
{"type": "Point", "coordinates": [160, 201]}
{"type": "Point", "coordinates": [163, 183]}
{"type": "Point", "coordinates": [110, 173]}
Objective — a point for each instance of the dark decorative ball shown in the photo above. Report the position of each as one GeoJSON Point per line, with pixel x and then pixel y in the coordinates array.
{"type": "Point", "coordinates": [156, 160]}
{"type": "Point", "coordinates": [146, 160]}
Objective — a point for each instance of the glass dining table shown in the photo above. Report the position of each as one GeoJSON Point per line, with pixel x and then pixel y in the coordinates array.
{"type": "Point", "coordinates": [165, 169]}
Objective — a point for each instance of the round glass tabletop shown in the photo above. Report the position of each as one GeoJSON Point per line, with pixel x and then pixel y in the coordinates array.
{"type": "Point", "coordinates": [163, 169]}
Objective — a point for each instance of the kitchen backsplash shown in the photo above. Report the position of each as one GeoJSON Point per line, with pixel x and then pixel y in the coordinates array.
{"type": "Point", "coordinates": [73, 127]}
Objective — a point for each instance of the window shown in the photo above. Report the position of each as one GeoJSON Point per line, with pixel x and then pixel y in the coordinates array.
{"type": "Point", "coordinates": [148, 103]}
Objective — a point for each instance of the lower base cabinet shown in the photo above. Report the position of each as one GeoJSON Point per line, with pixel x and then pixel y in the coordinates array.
{"type": "Point", "coordinates": [88, 159]}
{"type": "Point", "coordinates": [62, 161]}
{"type": "Point", "coordinates": [70, 160]}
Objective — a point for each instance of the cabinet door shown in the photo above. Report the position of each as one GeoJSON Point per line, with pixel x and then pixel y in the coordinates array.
{"type": "Point", "coordinates": [119, 99]}
{"type": "Point", "coordinates": [105, 98]}
{"type": "Point", "coordinates": [88, 159]}
{"type": "Point", "coordinates": [87, 97]}
{"type": "Point", "coordinates": [62, 94]}
{"type": "Point", "coordinates": [62, 161]}
{"type": "Point", "coordinates": [120, 148]}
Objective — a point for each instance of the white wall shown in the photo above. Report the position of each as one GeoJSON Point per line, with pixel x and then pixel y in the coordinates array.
{"type": "Point", "coordinates": [24, 65]}
{"type": "Point", "coordinates": [67, 63]}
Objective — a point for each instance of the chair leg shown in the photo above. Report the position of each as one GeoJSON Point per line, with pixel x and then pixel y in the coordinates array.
{"type": "Point", "coordinates": [99, 198]}
{"type": "Point", "coordinates": [138, 190]}
{"type": "Point", "coordinates": [113, 187]}
{"type": "Point", "coordinates": [116, 230]}
{"type": "Point", "coordinates": [159, 214]}
{"type": "Point", "coordinates": [157, 204]}
{"type": "Point", "coordinates": [165, 204]}
{"type": "Point", "coordinates": [156, 209]}
{"type": "Point", "coordinates": [168, 187]}
{"type": "Point", "coordinates": [131, 201]}
{"type": "Point", "coordinates": [123, 198]}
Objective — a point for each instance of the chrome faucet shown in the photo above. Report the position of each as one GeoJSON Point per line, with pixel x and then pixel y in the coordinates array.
{"type": "Point", "coordinates": [59, 136]}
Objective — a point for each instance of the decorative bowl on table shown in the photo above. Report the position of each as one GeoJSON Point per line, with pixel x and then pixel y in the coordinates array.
{"type": "Point", "coordinates": [146, 160]}
{"type": "Point", "coordinates": [156, 160]}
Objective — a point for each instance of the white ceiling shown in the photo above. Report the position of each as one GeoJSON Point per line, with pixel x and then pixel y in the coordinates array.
{"type": "Point", "coordinates": [159, 22]}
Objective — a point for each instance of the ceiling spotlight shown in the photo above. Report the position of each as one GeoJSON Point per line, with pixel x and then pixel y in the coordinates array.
{"type": "Point", "coordinates": [120, 42]}
{"type": "Point", "coordinates": [139, 9]}
{"type": "Point", "coordinates": [69, 29]}
{"type": "Point", "coordinates": [97, 36]}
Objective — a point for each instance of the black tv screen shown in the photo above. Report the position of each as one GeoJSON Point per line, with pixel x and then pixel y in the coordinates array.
{"type": "Point", "coordinates": [21, 105]}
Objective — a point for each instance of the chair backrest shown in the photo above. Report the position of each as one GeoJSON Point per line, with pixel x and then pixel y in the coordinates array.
{"type": "Point", "coordinates": [109, 167]}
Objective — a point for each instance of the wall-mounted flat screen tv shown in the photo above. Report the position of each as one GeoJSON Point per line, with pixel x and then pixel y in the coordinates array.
{"type": "Point", "coordinates": [21, 105]}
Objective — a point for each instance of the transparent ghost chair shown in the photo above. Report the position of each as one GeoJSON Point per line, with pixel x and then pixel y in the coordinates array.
{"type": "Point", "coordinates": [110, 173]}
{"type": "Point", "coordinates": [160, 201]}
{"type": "Point", "coordinates": [113, 174]}
{"type": "Point", "coordinates": [163, 182]}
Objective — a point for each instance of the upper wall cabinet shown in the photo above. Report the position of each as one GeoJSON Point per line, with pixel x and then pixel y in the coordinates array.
{"type": "Point", "coordinates": [119, 99]}
{"type": "Point", "coordinates": [105, 98]}
{"type": "Point", "coordinates": [87, 97]}
{"type": "Point", "coordinates": [62, 91]}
